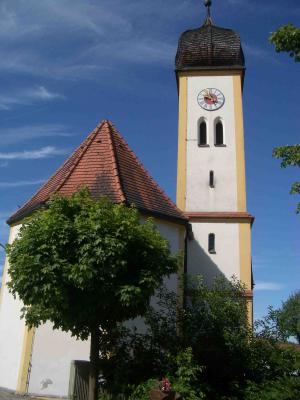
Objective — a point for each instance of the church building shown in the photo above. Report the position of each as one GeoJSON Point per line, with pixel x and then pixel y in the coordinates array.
{"type": "Point", "coordinates": [209, 222]}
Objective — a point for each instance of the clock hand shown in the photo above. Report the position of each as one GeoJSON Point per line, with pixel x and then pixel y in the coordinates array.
{"type": "Point", "coordinates": [208, 96]}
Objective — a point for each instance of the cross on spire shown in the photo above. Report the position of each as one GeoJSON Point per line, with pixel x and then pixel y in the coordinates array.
{"type": "Point", "coordinates": [207, 4]}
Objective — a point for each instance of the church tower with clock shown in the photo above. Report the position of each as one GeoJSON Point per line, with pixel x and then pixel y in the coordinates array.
{"type": "Point", "coordinates": [211, 186]}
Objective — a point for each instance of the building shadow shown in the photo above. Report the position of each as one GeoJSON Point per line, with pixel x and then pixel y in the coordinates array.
{"type": "Point", "coordinates": [200, 263]}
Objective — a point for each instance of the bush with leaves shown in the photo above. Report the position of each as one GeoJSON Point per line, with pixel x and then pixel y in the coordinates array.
{"type": "Point", "coordinates": [206, 349]}
{"type": "Point", "coordinates": [215, 325]}
{"type": "Point", "coordinates": [186, 377]}
{"type": "Point", "coordinates": [184, 381]}
{"type": "Point", "coordinates": [284, 388]}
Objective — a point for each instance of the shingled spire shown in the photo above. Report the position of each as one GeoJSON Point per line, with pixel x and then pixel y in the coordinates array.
{"type": "Point", "coordinates": [108, 167]}
{"type": "Point", "coordinates": [209, 47]}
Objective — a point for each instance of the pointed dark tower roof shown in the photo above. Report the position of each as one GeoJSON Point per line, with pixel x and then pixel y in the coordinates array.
{"type": "Point", "coordinates": [209, 47]}
{"type": "Point", "coordinates": [108, 167]}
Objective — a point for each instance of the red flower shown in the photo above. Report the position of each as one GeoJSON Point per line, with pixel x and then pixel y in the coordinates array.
{"type": "Point", "coordinates": [165, 385]}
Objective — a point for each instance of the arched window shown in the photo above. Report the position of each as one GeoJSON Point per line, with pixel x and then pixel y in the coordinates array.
{"type": "Point", "coordinates": [211, 243]}
{"type": "Point", "coordinates": [202, 134]}
{"type": "Point", "coordinates": [219, 133]}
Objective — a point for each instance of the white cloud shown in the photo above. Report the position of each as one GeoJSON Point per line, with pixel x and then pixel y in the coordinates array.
{"type": "Point", "coordinates": [268, 286]}
{"type": "Point", "coordinates": [40, 92]}
{"type": "Point", "coordinates": [130, 31]}
{"type": "Point", "coordinates": [44, 152]}
{"type": "Point", "coordinates": [21, 183]}
{"type": "Point", "coordinates": [109, 30]}
{"type": "Point", "coordinates": [30, 132]}
{"type": "Point", "coordinates": [27, 97]}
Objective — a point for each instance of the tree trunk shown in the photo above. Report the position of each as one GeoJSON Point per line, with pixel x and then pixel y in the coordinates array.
{"type": "Point", "coordinates": [94, 364]}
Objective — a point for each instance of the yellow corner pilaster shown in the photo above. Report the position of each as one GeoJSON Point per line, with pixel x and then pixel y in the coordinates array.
{"type": "Point", "coordinates": [245, 253]}
{"type": "Point", "coordinates": [25, 361]}
{"type": "Point", "coordinates": [245, 262]}
{"type": "Point", "coordinates": [240, 151]}
{"type": "Point", "coordinates": [182, 132]}
{"type": "Point", "coordinates": [250, 311]}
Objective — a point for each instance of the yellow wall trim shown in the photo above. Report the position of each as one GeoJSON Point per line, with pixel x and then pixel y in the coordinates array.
{"type": "Point", "coordinates": [245, 254]}
{"type": "Point", "coordinates": [226, 216]}
{"type": "Point", "coordinates": [245, 263]}
{"type": "Point", "coordinates": [210, 72]}
{"type": "Point", "coordinates": [182, 132]}
{"type": "Point", "coordinates": [25, 361]}
{"type": "Point", "coordinates": [240, 152]}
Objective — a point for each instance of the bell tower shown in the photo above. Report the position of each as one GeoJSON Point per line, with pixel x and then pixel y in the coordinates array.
{"type": "Point", "coordinates": [211, 185]}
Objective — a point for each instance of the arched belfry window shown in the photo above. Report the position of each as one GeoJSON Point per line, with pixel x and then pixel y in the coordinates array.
{"type": "Point", "coordinates": [219, 133]}
{"type": "Point", "coordinates": [202, 133]}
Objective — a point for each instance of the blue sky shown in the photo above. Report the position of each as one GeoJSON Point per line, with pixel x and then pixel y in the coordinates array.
{"type": "Point", "coordinates": [67, 64]}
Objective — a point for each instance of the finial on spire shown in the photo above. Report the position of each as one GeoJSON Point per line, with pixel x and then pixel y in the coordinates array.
{"type": "Point", "coordinates": [207, 4]}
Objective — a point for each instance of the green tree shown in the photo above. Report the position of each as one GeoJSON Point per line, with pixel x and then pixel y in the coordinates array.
{"type": "Point", "coordinates": [287, 39]}
{"type": "Point", "coordinates": [279, 325]}
{"type": "Point", "coordinates": [290, 156]}
{"type": "Point", "coordinates": [86, 266]}
{"type": "Point", "coordinates": [289, 316]}
{"type": "Point", "coordinates": [282, 323]}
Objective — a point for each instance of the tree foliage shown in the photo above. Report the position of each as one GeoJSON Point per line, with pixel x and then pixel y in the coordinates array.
{"type": "Point", "coordinates": [289, 316]}
{"type": "Point", "coordinates": [214, 355]}
{"type": "Point", "coordinates": [84, 265]}
{"type": "Point", "coordinates": [287, 39]}
{"type": "Point", "coordinates": [290, 156]}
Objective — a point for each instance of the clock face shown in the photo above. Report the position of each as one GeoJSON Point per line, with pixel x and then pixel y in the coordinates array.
{"type": "Point", "coordinates": [211, 99]}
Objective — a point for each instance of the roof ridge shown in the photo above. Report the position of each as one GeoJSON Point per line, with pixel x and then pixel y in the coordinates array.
{"type": "Point", "coordinates": [115, 161]}
{"type": "Point", "coordinates": [166, 197]}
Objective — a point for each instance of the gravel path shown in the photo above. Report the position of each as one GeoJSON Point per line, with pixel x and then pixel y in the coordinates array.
{"type": "Point", "coordinates": [9, 395]}
{"type": "Point", "coordinates": [6, 395]}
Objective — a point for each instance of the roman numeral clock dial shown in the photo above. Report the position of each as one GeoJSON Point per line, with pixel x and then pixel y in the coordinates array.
{"type": "Point", "coordinates": [211, 99]}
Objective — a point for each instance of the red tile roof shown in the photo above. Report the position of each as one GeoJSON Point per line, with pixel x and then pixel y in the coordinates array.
{"type": "Point", "coordinates": [108, 167]}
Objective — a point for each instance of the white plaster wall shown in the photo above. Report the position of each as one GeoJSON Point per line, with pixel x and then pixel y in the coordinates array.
{"type": "Point", "coordinates": [53, 351]}
{"type": "Point", "coordinates": [171, 232]}
{"type": "Point", "coordinates": [12, 330]}
{"type": "Point", "coordinates": [225, 262]}
{"type": "Point", "coordinates": [221, 160]}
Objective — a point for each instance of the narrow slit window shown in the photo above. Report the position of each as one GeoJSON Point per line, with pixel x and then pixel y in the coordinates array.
{"type": "Point", "coordinates": [219, 138]}
{"type": "Point", "coordinates": [211, 243]}
{"type": "Point", "coordinates": [211, 179]}
{"type": "Point", "coordinates": [202, 139]}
